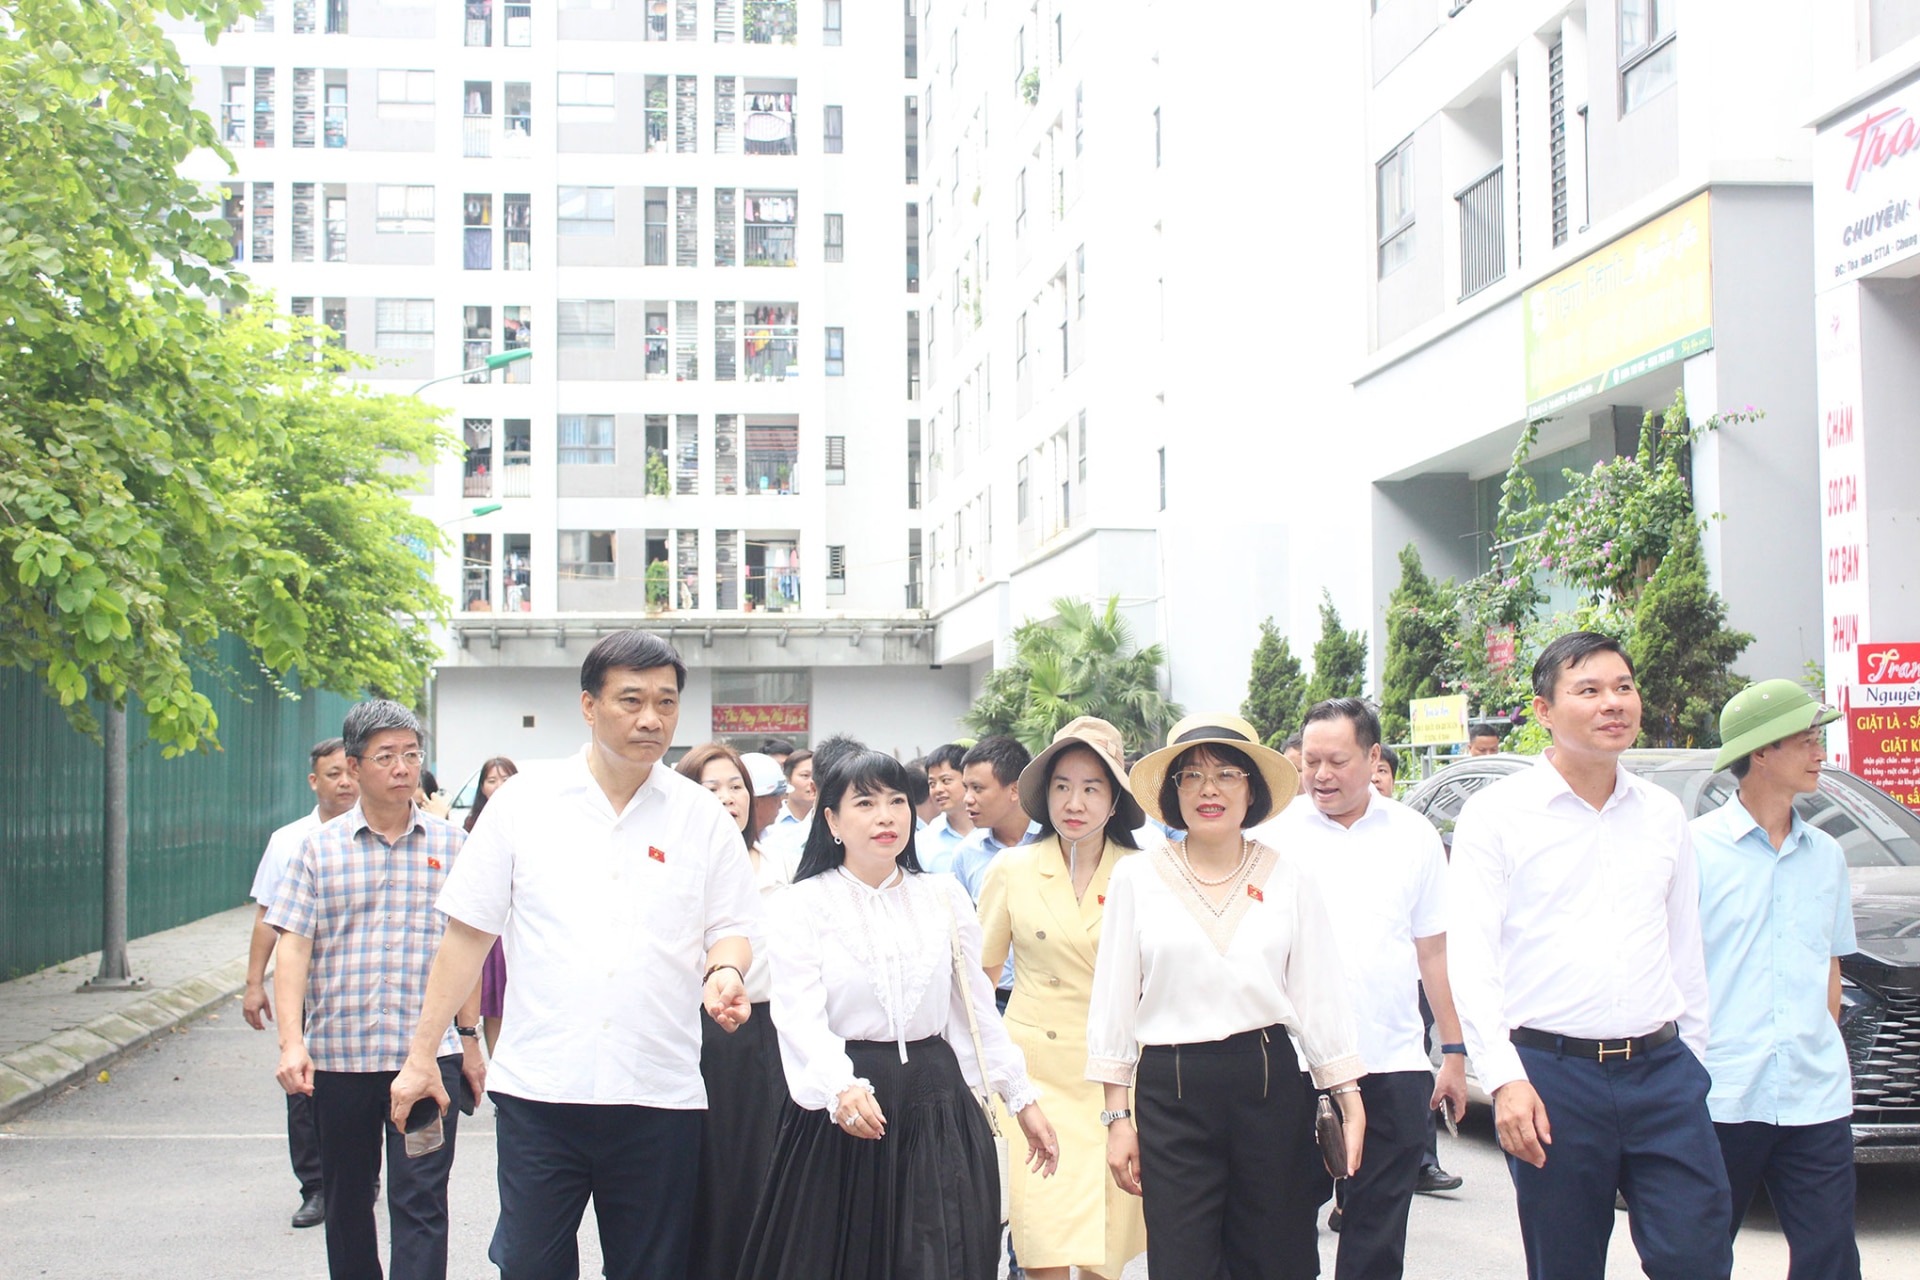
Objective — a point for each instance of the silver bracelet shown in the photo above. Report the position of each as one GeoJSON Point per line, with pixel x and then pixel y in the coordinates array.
{"type": "Point", "coordinates": [1345, 1088]}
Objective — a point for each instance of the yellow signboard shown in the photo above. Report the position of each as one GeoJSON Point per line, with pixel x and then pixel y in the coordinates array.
{"type": "Point", "coordinates": [1644, 301]}
{"type": "Point", "coordinates": [1438, 721]}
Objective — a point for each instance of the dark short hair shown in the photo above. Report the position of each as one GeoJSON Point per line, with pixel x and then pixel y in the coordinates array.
{"type": "Point", "coordinates": [322, 749]}
{"type": "Point", "coordinates": [1483, 731]}
{"type": "Point", "coordinates": [1356, 711]}
{"type": "Point", "coordinates": [1259, 795]}
{"type": "Point", "coordinates": [1293, 741]}
{"type": "Point", "coordinates": [1570, 650]}
{"type": "Point", "coordinates": [695, 763]}
{"type": "Point", "coordinates": [1120, 835]}
{"type": "Point", "coordinates": [1390, 758]}
{"type": "Point", "coordinates": [634, 651]}
{"type": "Point", "coordinates": [794, 761]}
{"type": "Point", "coordinates": [776, 747]}
{"type": "Point", "coordinates": [833, 748]}
{"type": "Point", "coordinates": [857, 769]}
{"type": "Point", "coordinates": [918, 789]}
{"type": "Point", "coordinates": [376, 715]}
{"type": "Point", "coordinates": [1006, 756]}
{"type": "Point", "coordinates": [950, 755]}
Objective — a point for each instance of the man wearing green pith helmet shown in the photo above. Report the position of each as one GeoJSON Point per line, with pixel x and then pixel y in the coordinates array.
{"type": "Point", "coordinates": [1776, 915]}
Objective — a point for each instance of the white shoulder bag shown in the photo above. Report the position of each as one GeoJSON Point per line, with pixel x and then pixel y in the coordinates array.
{"type": "Point", "coordinates": [985, 1096]}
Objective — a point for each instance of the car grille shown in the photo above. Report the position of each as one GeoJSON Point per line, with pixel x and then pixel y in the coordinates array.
{"type": "Point", "coordinates": [1883, 1044]}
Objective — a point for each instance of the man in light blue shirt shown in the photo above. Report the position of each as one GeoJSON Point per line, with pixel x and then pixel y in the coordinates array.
{"type": "Point", "coordinates": [945, 833]}
{"type": "Point", "coordinates": [1776, 915]}
{"type": "Point", "coordinates": [991, 772]}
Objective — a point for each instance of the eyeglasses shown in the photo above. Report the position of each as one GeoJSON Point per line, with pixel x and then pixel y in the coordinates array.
{"type": "Point", "coordinates": [387, 759]}
{"type": "Point", "coordinates": [1192, 780]}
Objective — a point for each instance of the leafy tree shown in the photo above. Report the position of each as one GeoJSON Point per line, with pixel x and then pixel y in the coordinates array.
{"type": "Point", "coordinates": [1682, 650]}
{"type": "Point", "coordinates": [1339, 658]}
{"type": "Point", "coordinates": [168, 472]}
{"type": "Point", "coordinates": [1276, 687]}
{"type": "Point", "coordinates": [1421, 623]}
{"type": "Point", "coordinates": [1082, 664]}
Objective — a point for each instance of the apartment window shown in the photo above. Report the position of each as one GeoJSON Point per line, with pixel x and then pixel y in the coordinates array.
{"type": "Point", "coordinates": [836, 242]}
{"type": "Point", "coordinates": [306, 104]}
{"type": "Point", "coordinates": [1649, 57]}
{"type": "Point", "coordinates": [836, 466]}
{"type": "Point", "coordinates": [913, 140]}
{"type": "Point", "coordinates": [836, 352]}
{"type": "Point", "coordinates": [656, 117]}
{"type": "Point", "coordinates": [1079, 117]}
{"type": "Point", "coordinates": [585, 97]}
{"type": "Point", "coordinates": [336, 17]}
{"type": "Point", "coordinates": [586, 553]}
{"type": "Point", "coordinates": [333, 124]}
{"type": "Point", "coordinates": [771, 21]}
{"type": "Point", "coordinates": [836, 570]}
{"type": "Point", "coordinates": [263, 222]}
{"type": "Point", "coordinates": [479, 29]}
{"type": "Point", "coordinates": [404, 95]}
{"type": "Point", "coordinates": [1163, 478]}
{"type": "Point", "coordinates": [770, 220]}
{"type": "Point", "coordinates": [584, 324]}
{"type": "Point", "coordinates": [401, 323]}
{"type": "Point", "coordinates": [516, 328]}
{"type": "Point", "coordinates": [334, 206]}
{"type": "Point", "coordinates": [686, 114]}
{"type": "Point", "coordinates": [476, 341]}
{"type": "Point", "coordinates": [1020, 348]}
{"type": "Point", "coordinates": [1395, 181]}
{"type": "Point", "coordinates": [686, 450]}
{"type": "Point", "coordinates": [516, 119]}
{"type": "Point", "coordinates": [234, 107]}
{"type": "Point", "coordinates": [1021, 497]}
{"type": "Point", "coordinates": [833, 142]}
{"type": "Point", "coordinates": [586, 439]}
{"type": "Point", "coordinates": [304, 202]}
{"type": "Point", "coordinates": [1080, 283]}
{"type": "Point", "coordinates": [233, 211]}
{"type": "Point", "coordinates": [726, 454]}
{"type": "Point", "coordinates": [686, 227]}
{"type": "Point", "coordinates": [585, 211]}
{"type": "Point", "coordinates": [517, 208]}
{"type": "Point", "coordinates": [403, 210]}
{"type": "Point", "coordinates": [772, 454]}
{"type": "Point", "coordinates": [830, 23]}
{"type": "Point", "coordinates": [1020, 205]}
{"type": "Point", "coordinates": [772, 335]}
{"type": "Point", "coordinates": [263, 106]}
{"type": "Point", "coordinates": [770, 126]}
{"type": "Point", "coordinates": [476, 246]}
{"type": "Point", "coordinates": [654, 252]}
{"type": "Point", "coordinates": [1156, 137]}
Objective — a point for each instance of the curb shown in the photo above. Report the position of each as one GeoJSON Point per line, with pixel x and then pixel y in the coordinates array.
{"type": "Point", "coordinates": [30, 1076]}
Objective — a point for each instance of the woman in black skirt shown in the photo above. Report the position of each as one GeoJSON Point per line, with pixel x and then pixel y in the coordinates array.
{"type": "Point", "coordinates": [885, 1167]}
{"type": "Point", "coordinates": [745, 1087]}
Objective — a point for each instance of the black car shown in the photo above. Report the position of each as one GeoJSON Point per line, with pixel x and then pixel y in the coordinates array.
{"type": "Point", "coordinates": [1880, 983]}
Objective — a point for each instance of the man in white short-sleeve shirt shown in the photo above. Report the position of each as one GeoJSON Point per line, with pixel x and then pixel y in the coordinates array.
{"type": "Point", "coordinates": [626, 908]}
{"type": "Point", "coordinates": [1382, 871]}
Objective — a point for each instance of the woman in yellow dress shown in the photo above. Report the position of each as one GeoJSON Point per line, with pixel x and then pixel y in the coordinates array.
{"type": "Point", "coordinates": [1044, 901]}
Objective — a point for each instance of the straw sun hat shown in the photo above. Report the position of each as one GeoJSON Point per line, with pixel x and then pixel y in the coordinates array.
{"type": "Point", "coordinates": [1213, 729]}
{"type": "Point", "coordinates": [1104, 741]}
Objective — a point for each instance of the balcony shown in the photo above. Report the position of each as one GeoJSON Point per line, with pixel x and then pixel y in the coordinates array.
{"type": "Point", "coordinates": [769, 246]}
{"type": "Point", "coordinates": [519, 32]}
{"type": "Point", "coordinates": [656, 244]}
{"type": "Point", "coordinates": [516, 474]}
{"type": "Point", "coordinates": [1483, 233]}
{"type": "Point", "coordinates": [769, 358]}
{"type": "Point", "coordinates": [476, 135]}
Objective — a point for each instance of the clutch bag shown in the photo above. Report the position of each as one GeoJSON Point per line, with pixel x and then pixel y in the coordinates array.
{"type": "Point", "coordinates": [1330, 1127]}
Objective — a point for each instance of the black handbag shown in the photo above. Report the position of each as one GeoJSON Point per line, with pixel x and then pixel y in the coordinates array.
{"type": "Point", "coordinates": [1330, 1127]}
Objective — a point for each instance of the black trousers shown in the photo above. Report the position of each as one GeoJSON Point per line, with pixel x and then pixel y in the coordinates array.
{"type": "Point", "coordinates": [1639, 1127]}
{"type": "Point", "coordinates": [639, 1165]}
{"type": "Point", "coordinates": [1375, 1201]}
{"type": "Point", "coordinates": [1221, 1129]}
{"type": "Point", "coordinates": [303, 1143]}
{"type": "Point", "coordinates": [351, 1108]}
{"type": "Point", "coordinates": [1431, 1160]}
{"type": "Point", "coordinates": [1808, 1172]}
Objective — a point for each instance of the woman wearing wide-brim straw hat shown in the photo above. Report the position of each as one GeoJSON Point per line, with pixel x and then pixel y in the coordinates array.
{"type": "Point", "coordinates": [1045, 901]}
{"type": "Point", "coordinates": [1212, 952]}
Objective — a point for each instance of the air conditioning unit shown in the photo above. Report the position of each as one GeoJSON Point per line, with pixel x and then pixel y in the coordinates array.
{"type": "Point", "coordinates": [723, 444]}
{"type": "Point", "coordinates": [723, 555]}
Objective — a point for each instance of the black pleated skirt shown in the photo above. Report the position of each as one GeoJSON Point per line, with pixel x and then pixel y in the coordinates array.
{"type": "Point", "coordinates": [746, 1090]}
{"type": "Point", "coordinates": [922, 1203]}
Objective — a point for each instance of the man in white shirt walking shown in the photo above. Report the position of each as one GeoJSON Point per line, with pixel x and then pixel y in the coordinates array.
{"type": "Point", "coordinates": [1574, 946]}
{"type": "Point", "coordinates": [335, 788]}
{"type": "Point", "coordinates": [627, 909]}
{"type": "Point", "coordinates": [1381, 870]}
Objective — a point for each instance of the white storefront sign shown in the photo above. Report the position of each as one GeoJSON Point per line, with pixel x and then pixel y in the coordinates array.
{"type": "Point", "coordinates": [1843, 490]}
{"type": "Point", "coordinates": [1866, 181]}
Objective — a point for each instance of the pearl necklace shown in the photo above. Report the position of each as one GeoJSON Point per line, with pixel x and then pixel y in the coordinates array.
{"type": "Point", "coordinates": [1186, 864]}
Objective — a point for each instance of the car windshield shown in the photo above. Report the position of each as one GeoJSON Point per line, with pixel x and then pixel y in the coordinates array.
{"type": "Point", "coordinates": [1872, 829]}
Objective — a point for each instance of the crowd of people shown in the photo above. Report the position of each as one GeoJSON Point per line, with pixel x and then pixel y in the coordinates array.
{"type": "Point", "coordinates": [829, 1015]}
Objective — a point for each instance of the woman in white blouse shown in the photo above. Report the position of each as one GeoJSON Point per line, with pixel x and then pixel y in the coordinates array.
{"type": "Point", "coordinates": [745, 1086]}
{"type": "Point", "coordinates": [884, 1168]}
{"type": "Point", "coordinates": [1213, 952]}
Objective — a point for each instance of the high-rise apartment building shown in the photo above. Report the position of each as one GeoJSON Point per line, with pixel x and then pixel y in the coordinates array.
{"type": "Point", "coordinates": [700, 218]}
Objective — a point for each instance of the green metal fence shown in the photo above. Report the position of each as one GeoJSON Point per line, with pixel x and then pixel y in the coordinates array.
{"type": "Point", "coordinates": [196, 825]}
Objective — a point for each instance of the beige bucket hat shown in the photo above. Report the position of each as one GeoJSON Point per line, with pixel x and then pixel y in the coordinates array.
{"type": "Point", "coordinates": [1215, 729]}
{"type": "Point", "coordinates": [1104, 741]}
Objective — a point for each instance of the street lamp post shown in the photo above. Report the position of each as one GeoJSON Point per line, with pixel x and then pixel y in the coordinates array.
{"type": "Point", "coordinates": [492, 362]}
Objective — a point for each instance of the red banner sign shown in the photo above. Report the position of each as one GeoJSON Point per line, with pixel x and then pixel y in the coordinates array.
{"type": "Point", "coordinates": [1884, 748]}
{"type": "Point", "coordinates": [1500, 647]}
{"type": "Point", "coordinates": [776, 717]}
{"type": "Point", "coordinates": [1889, 663]}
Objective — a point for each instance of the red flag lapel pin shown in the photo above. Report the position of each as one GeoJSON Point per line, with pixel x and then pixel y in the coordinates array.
{"type": "Point", "coordinates": [658, 855]}
{"type": "Point", "coordinates": [434, 863]}
{"type": "Point", "coordinates": [1103, 899]}
{"type": "Point", "coordinates": [1253, 891]}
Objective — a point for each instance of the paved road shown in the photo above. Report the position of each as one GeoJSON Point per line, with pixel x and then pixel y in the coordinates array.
{"type": "Point", "coordinates": [177, 1168]}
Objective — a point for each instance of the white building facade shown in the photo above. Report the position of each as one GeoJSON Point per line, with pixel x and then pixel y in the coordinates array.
{"type": "Point", "coordinates": [698, 216]}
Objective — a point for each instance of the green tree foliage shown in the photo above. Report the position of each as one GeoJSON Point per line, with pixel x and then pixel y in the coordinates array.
{"type": "Point", "coordinates": [1682, 650]}
{"type": "Point", "coordinates": [168, 472]}
{"type": "Point", "coordinates": [1082, 664]}
{"type": "Point", "coordinates": [1422, 622]}
{"type": "Point", "coordinates": [1276, 688]}
{"type": "Point", "coordinates": [1339, 658]}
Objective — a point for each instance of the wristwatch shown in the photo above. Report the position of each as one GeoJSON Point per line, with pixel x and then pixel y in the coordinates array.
{"type": "Point", "coordinates": [1458, 1050]}
{"type": "Point", "coordinates": [465, 1031]}
{"type": "Point", "coordinates": [1108, 1117]}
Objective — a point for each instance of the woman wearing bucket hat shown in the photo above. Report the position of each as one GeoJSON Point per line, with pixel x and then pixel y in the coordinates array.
{"type": "Point", "coordinates": [1212, 952]}
{"type": "Point", "coordinates": [1045, 901]}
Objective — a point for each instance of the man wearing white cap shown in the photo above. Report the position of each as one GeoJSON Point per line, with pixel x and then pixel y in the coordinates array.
{"type": "Point", "coordinates": [1776, 915]}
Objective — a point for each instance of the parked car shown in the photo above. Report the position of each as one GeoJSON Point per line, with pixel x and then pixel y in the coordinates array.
{"type": "Point", "coordinates": [1880, 983]}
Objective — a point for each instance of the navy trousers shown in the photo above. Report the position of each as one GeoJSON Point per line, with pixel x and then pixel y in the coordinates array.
{"type": "Point", "coordinates": [1373, 1210]}
{"type": "Point", "coordinates": [1808, 1173]}
{"type": "Point", "coordinates": [640, 1165]}
{"type": "Point", "coordinates": [1639, 1127]}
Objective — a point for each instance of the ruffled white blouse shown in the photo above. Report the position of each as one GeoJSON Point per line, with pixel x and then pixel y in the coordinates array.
{"type": "Point", "coordinates": [851, 962]}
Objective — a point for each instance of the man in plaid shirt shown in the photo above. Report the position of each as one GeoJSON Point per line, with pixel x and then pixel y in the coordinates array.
{"type": "Point", "coordinates": [358, 928]}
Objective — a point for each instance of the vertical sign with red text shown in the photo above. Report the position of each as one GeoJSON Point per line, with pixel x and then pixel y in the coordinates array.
{"type": "Point", "coordinates": [1843, 496]}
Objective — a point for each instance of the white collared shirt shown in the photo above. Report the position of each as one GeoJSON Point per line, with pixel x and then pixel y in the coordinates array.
{"type": "Point", "coordinates": [607, 920]}
{"type": "Point", "coordinates": [282, 846]}
{"type": "Point", "coordinates": [851, 962]}
{"type": "Point", "coordinates": [1384, 882]}
{"type": "Point", "coordinates": [1572, 920]}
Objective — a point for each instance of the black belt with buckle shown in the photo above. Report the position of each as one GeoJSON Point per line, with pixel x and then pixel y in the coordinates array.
{"type": "Point", "coordinates": [1598, 1050]}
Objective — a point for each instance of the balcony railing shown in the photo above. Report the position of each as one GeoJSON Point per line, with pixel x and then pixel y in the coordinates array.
{"type": "Point", "coordinates": [1483, 233]}
{"type": "Point", "coordinates": [656, 244]}
{"type": "Point", "coordinates": [769, 246]}
{"type": "Point", "coordinates": [477, 135]}
{"type": "Point", "coordinates": [479, 484]}
{"type": "Point", "coordinates": [776, 361]}
{"type": "Point", "coordinates": [516, 477]}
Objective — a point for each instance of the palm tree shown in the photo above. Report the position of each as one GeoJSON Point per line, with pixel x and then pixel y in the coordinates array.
{"type": "Point", "coordinates": [1081, 663]}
